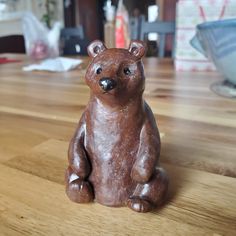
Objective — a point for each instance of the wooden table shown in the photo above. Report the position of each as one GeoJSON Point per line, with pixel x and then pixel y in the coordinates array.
{"type": "Point", "coordinates": [38, 115]}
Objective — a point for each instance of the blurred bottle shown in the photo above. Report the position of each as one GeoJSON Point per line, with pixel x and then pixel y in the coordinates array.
{"type": "Point", "coordinates": [109, 26]}
{"type": "Point", "coordinates": [109, 11]}
{"type": "Point", "coordinates": [122, 26]}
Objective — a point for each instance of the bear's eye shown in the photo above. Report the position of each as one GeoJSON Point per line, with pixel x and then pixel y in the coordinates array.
{"type": "Point", "coordinates": [99, 70]}
{"type": "Point", "coordinates": [127, 71]}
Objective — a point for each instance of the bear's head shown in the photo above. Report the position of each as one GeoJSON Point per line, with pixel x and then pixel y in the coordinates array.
{"type": "Point", "coordinates": [116, 74]}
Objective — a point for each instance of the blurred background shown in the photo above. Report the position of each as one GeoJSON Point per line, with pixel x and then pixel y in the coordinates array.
{"type": "Point", "coordinates": [49, 28]}
{"type": "Point", "coordinates": [88, 14]}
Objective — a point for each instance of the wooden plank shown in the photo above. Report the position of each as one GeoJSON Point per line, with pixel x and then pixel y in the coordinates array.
{"type": "Point", "coordinates": [196, 198]}
{"type": "Point", "coordinates": [38, 115]}
{"type": "Point", "coordinates": [66, 91]}
{"type": "Point", "coordinates": [194, 148]}
{"type": "Point", "coordinates": [40, 207]}
{"type": "Point", "coordinates": [185, 143]}
{"type": "Point", "coordinates": [47, 160]}
{"type": "Point", "coordinates": [18, 134]}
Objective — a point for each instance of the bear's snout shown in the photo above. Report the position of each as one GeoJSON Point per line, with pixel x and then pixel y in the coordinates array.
{"type": "Point", "coordinates": [107, 84]}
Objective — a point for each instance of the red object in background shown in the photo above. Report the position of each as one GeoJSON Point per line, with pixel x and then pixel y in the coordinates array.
{"type": "Point", "coordinates": [4, 60]}
{"type": "Point", "coordinates": [120, 32]}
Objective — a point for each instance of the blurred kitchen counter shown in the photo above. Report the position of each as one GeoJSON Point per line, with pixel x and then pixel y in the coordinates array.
{"type": "Point", "coordinates": [38, 116]}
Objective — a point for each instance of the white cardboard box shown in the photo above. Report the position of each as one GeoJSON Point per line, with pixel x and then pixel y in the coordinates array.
{"type": "Point", "coordinates": [189, 13]}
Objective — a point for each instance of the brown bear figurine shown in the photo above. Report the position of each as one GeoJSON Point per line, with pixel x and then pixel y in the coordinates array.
{"type": "Point", "coordinates": [114, 154]}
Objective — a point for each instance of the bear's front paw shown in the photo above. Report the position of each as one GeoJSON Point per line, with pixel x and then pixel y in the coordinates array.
{"type": "Point", "coordinates": [80, 191]}
{"type": "Point", "coordinates": [140, 174]}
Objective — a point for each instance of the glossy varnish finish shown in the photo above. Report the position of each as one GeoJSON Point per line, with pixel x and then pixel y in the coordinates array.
{"type": "Point", "coordinates": [114, 154]}
{"type": "Point", "coordinates": [38, 113]}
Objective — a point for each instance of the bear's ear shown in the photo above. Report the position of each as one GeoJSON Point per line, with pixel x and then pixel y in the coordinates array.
{"type": "Point", "coordinates": [95, 48]}
{"type": "Point", "coordinates": [137, 48]}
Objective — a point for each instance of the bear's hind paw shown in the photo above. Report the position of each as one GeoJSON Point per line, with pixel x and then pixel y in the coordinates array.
{"type": "Point", "coordinates": [80, 191]}
{"type": "Point", "coordinates": [139, 205]}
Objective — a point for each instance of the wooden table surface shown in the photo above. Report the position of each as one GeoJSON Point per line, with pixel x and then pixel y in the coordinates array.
{"type": "Point", "coordinates": [38, 115]}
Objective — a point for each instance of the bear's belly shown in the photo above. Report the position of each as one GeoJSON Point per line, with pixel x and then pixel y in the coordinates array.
{"type": "Point", "coordinates": [112, 145]}
{"type": "Point", "coordinates": [111, 179]}
{"type": "Point", "coordinates": [112, 156]}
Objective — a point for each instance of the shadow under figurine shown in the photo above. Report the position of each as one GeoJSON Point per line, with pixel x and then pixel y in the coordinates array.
{"type": "Point", "coordinates": [114, 154]}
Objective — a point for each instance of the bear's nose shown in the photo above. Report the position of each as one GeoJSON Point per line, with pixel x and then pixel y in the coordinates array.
{"type": "Point", "coordinates": [107, 84]}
